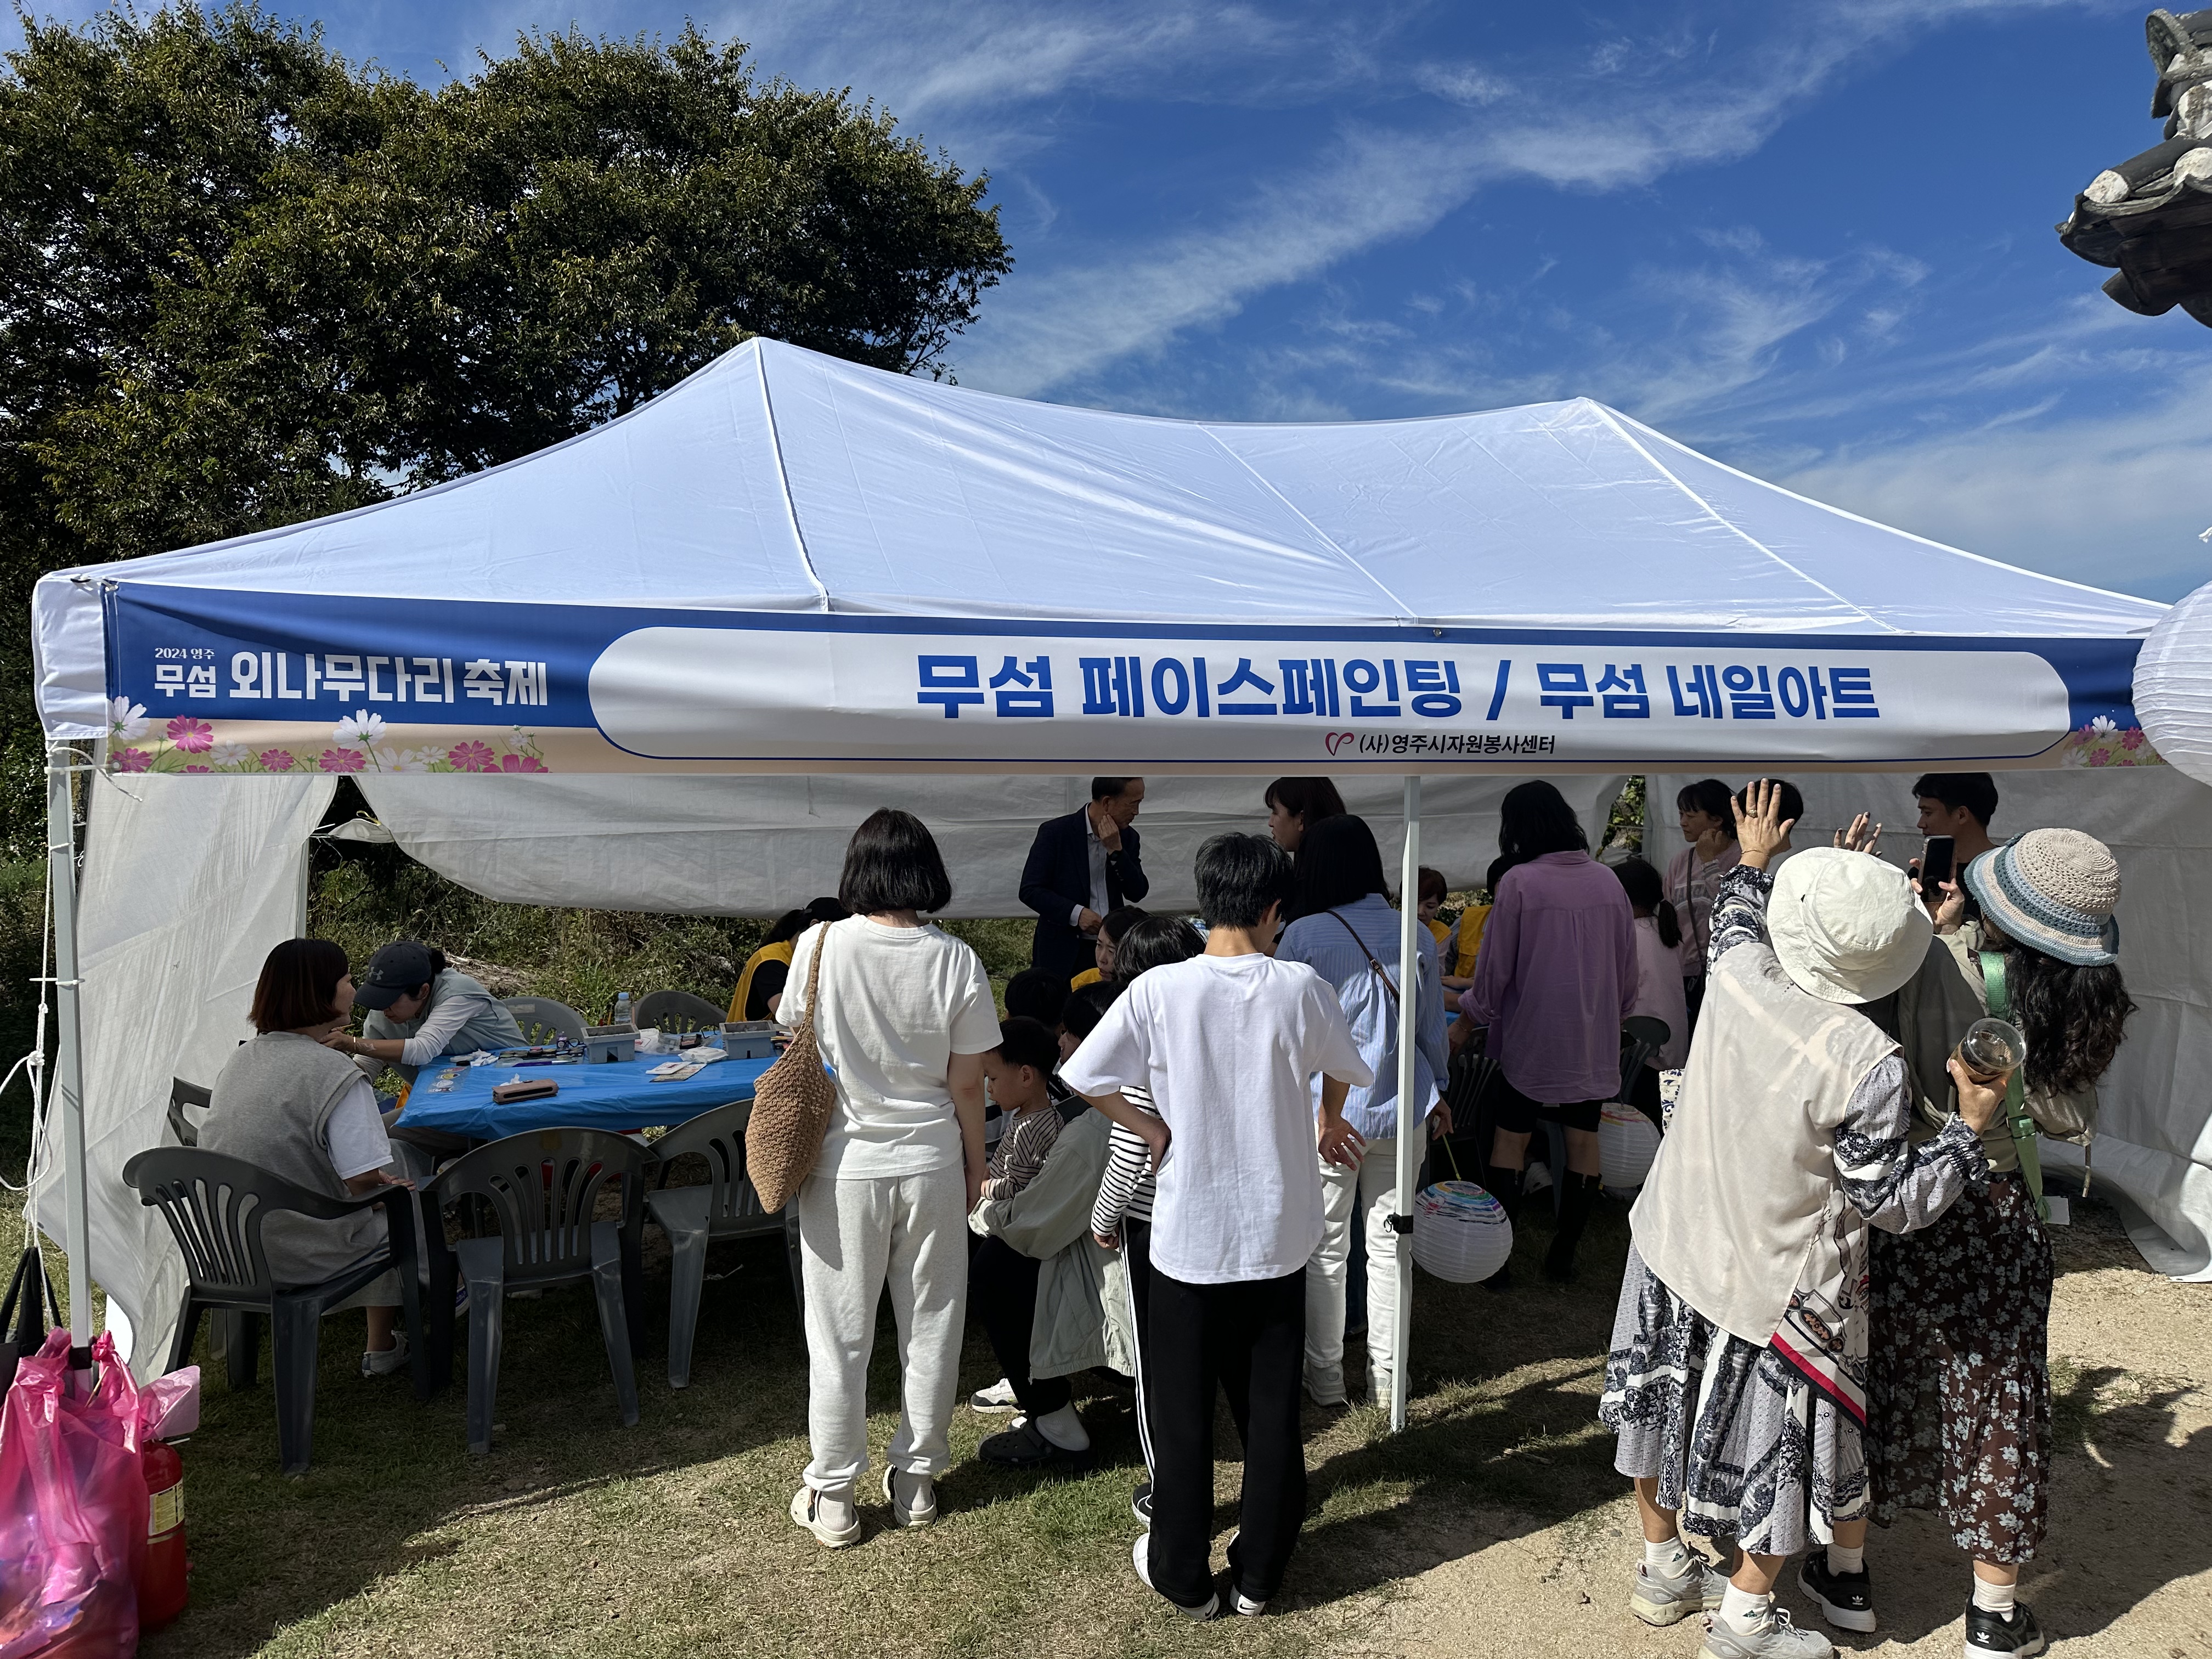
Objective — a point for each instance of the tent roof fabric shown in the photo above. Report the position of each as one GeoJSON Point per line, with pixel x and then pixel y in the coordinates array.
{"type": "Point", "coordinates": [776, 479]}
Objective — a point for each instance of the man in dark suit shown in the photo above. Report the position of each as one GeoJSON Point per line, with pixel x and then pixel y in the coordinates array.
{"type": "Point", "coordinates": [1080, 867]}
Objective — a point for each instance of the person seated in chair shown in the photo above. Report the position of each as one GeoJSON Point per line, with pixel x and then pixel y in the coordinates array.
{"type": "Point", "coordinates": [288, 1103]}
{"type": "Point", "coordinates": [421, 1009]}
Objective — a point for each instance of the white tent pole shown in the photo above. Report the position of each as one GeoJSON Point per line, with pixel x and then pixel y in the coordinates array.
{"type": "Point", "coordinates": [1410, 1119]}
{"type": "Point", "coordinates": [61, 871]}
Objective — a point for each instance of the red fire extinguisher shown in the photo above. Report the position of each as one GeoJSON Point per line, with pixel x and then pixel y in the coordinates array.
{"type": "Point", "coordinates": [161, 1587]}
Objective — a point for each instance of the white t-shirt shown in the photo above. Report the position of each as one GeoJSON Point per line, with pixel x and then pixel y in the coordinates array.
{"type": "Point", "coordinates": [897, 1003]}
{"type": "Point", "coordinates": [354, 1134]}
{"type": "Point", "coordinates": [1228, 1046]}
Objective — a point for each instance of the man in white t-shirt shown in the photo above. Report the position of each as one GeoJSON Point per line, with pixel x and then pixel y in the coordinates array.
{"type": "Point", "coordinates": [1228, 1044]}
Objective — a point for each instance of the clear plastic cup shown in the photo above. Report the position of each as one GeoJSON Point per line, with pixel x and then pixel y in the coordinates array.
{"type": "Point", "coordinates": [1992, 1048]}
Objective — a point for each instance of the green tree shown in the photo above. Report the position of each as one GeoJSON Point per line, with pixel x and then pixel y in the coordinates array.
{"type": "Point", "coordinates": [244, 282]}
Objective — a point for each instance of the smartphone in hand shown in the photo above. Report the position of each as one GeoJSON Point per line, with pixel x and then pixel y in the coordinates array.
{"type": "Point", "coordinates": [1936, 866]}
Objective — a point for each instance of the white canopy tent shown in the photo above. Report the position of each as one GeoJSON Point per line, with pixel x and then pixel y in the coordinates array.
{"type": "Point", "coordinates": [789, 564]}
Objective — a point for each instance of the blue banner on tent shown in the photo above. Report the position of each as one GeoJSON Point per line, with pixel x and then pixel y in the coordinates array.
{"type": "Point", "coordinates": [206, 680]}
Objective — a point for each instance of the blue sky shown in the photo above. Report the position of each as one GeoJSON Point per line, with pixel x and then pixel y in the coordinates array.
{"type": "Point", "coordinates": [1813, 241]}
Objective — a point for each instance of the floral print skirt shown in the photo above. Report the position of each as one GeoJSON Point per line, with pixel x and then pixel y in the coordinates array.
{"type": "Point", "coordinates": [1958, 1394]}
{"type": "Point", "coordinates": [1741, 1442]}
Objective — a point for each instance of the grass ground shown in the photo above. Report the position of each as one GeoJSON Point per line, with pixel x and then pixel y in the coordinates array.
{"type": "Point", "coordinates": [1495, 1521]}
{"type": "Point", "coordinates": [577, 1536]}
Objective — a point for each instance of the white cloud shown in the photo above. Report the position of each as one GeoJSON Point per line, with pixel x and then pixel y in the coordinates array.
{"type": "Point", "coordinates": [1043, 331]}
{"type": "Point", "coordinates": [1613, 119]}
{"type": "Point", "coordinates": [2115, 500]}
{"type": "Point", "coordinates": [1462, 83]}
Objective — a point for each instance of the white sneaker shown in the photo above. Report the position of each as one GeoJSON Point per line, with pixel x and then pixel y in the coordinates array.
{"type": "Point", "coordinates": [392, 1360]}
{"type": "Point", "coordinates": [1778, 1638]}
{"type": "Point", "coordinates": [1659, 1600]}
{"type": "Point", "coordinates": [919, 1507]}
{"type": "Point", "coordinates": [1196, 1615]}
{"type": "Point", "coordinates": [991, 1401]}
{"type": "Point", "coordinates": [832, 1520]}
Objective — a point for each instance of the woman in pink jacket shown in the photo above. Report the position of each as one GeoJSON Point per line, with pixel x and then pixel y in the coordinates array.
{"type": "Point", "coordinates": [1556, 977]}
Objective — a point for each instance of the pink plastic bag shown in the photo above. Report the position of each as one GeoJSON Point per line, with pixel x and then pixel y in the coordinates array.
{"type": "Point", "coordinates": [72, 1508]}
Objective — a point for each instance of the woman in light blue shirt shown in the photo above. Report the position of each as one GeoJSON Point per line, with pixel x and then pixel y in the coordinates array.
{"type": "Point", "coordinates": [1348, 933]}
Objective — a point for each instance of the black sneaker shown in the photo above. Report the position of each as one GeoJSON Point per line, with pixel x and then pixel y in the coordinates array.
{"type": "Point", "coordinates": [1846, 1598]}
{"type": "Point", "coordinates": [1988, 1633]}
{"type": "Point", "coordinates": [1141, 1501]}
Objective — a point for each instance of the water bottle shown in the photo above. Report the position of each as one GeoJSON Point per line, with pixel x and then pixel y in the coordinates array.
{"type": "Point", "coordinates": [621, 1008]}
{"type": "Point", "coordinates": [1992, 1048]}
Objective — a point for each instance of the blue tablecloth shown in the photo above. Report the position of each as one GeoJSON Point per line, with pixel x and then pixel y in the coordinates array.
{"type": "Point", "coordinates": [617, 1095]}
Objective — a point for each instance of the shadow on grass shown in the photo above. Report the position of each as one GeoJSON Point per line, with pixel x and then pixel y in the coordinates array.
{"type": "Point", "coordinates": [1502, 1438]}
{"type": "Point", "coordinates": [268, 1549]}
{"type": "Point", "coordinates": [2129, 1487]}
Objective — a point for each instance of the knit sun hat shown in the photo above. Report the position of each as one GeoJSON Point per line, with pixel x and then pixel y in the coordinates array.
{"type": "Point", "coordinates": [2053, 890]}
{"type": "Point", "coordinates": [1846, 928]}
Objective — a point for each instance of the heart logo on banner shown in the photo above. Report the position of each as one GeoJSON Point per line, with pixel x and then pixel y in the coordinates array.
{"type": "Point", "coordinates": [1335, 739]}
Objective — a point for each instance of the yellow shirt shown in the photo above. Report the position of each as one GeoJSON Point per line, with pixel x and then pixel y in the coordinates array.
{"type": "Point", "coordinates": [1472, 922]}
{"type": "Point", "coordinates": [1438, 932]}
{"type": "Point", "coordinates": [767, 953]}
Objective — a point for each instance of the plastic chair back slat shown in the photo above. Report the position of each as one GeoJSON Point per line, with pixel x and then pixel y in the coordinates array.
{"type": "Point", "coordinates": [542, 1187]}
{"type": "Point", "coordinates": [719, 1136]}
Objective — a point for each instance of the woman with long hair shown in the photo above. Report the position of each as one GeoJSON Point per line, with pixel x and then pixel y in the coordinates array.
{"type": "Point", "coordinates": [1736, 1376]}
{"type": "Point", "coordinates": [1347, 932]}
{"type": "Point", "coordinates": [904, 1016]}
{"type": "Point", "coordinates": [1693, 876]}
{"type": "Point", "coordinates": [1658, 977]}
{"type": "Point", "coordinates": [1556, 977]}
{"type": "Point", "coordinates": [1958, 1399]}
{"type": "Point", "coordinates": [289, 1102]}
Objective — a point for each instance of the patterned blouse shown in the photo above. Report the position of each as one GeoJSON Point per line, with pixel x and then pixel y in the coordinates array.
{"type": "Point", "coordinates": [1882, 1177]}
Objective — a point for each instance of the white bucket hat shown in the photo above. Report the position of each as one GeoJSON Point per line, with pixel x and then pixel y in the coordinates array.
{"type": "Point", "coordinates": [1846, 928]}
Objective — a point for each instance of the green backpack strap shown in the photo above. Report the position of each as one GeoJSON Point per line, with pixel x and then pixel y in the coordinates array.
{"type": "Point", "coordinates": [2024, 1131]}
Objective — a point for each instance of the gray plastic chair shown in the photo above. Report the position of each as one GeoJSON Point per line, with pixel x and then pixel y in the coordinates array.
{"type": "Point", "coordinates": [541, 1187]}
{"type": "Point", "coordinates": [1642, 1036]}
{"type": "Point", "coordinates": [181, 1096]}
{"type": "Point", "coordinates": [216, 1206]}
{"type": "Point", "coordinates": [677, 1011]}
{"type": "Point", "coordinates": [725, 1208]}
{"type": "Point", "coordinates": [547, 1015]}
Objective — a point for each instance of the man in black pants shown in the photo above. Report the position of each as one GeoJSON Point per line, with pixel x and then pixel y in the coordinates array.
{"type": "Point", "coordinates": [1228, 1044]}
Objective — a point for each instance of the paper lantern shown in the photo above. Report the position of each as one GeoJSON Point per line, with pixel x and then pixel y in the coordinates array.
{"type": "Point", "coordinates": [1460, 1233]}
{"type": "Point", "coordinates": [2173, 686]}
{"type": "Point", "coordinates": [1626, 1144]}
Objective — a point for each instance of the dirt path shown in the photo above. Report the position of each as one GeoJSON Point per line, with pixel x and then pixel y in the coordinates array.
{"type": "Point", "coordinates": [2128, 1570]}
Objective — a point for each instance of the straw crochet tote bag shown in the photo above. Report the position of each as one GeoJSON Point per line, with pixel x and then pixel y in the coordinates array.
{"type": "Point", "coordinates": [792, 1105]}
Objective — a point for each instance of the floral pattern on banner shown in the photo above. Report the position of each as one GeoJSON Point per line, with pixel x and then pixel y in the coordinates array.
{"type": "Point", "coordinates": [359, 743]}
{"type": "Point", "coordinates": [2105, 742]}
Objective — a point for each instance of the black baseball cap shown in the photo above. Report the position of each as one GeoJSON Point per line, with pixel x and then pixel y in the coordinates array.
{"type": "Point", "coordinates": [391, 973]}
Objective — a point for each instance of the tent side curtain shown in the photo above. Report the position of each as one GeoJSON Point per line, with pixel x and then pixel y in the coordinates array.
{"type": "Point", "coordinates": [186, 890]}
{"type": "Point", "coordinates": [792, 564]}
{"type": "Point", "coordinates": [762, 846]}
{"type": "Point", "coordinates": [2153, 1142]}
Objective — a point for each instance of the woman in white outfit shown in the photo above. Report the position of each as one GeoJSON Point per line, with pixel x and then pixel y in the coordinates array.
{"type": "Point", "coordinates": [905, 1017]}
{"type": "Point", "coordinates": [1348, 934]}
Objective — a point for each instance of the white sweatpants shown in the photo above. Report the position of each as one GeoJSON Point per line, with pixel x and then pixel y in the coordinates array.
{"type": "Point", "coordinates": [1364, 1196]}
{"type": "Point", "coordinates": [854, 1237]}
